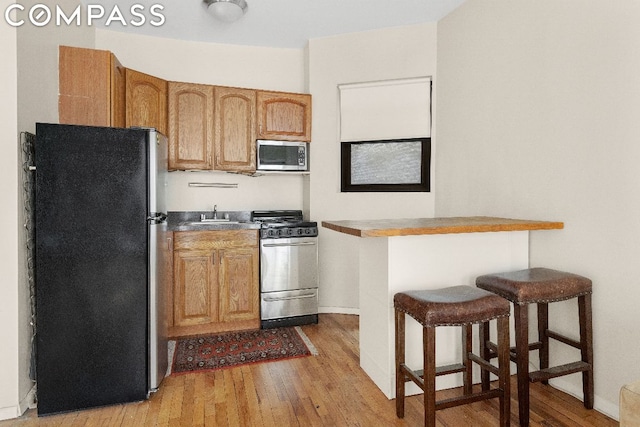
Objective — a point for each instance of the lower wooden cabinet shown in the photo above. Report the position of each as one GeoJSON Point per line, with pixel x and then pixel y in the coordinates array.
{"type": "Point", "coordinates": [215, 282]}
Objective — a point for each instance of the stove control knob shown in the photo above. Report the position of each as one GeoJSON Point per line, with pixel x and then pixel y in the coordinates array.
{"type": "Point", "coordinates": [300, 231]}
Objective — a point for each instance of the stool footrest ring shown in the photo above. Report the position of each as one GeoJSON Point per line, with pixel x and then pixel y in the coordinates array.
{"type": "Point", "coordinates": [558, 337]}
{"type": "Point", "coordinates": [558, 371]}
{"type": "Point", "coordinates": [468, 398]}
{"type": "Point", "coordinates": [410, 375]}
{"type": "Point", "coordinates": [512, 350]}
{"type": "Point", "coordinates": [484, 364]}
{"type": "Point", "coordinates": [440, 370]}
{"type": "Point", "coordinates": [448, 369]}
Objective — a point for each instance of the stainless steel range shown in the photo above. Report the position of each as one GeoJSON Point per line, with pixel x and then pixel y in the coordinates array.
{"type": "Point", "coordinates": [288, 268]}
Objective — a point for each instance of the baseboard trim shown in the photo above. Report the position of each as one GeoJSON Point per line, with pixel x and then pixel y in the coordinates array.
{"type": "Point", "coordinates": [601, 405]}
{"type": "Point", "coordinates": [9, 413]}
{"type": "Point", "coordinates": [29, 401]}
{"type": "Point", "coordinates": [339, 310]}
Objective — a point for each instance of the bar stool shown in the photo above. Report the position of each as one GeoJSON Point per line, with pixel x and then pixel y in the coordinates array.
{"type": "Point", "coordinates": [542, 286]}
{"type": "Point", "coordinates": [454, 306]}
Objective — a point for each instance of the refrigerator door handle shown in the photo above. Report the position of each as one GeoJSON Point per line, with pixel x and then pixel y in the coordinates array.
{"type": "Point", "coordinates": [157, 218]}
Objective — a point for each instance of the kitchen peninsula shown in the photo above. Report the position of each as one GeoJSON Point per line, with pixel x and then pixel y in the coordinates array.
{"type": "Point", "coordinates": [396, 255]}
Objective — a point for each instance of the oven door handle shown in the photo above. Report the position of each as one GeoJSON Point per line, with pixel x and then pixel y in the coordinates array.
{"type": "Point", "coordinates": [273, 299]}
{"type": "Point", "coordinates": [274, 245]}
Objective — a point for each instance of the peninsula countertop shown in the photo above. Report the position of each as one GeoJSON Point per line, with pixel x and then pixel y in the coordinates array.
{"type": "Point", "coordinates": [443, 225]}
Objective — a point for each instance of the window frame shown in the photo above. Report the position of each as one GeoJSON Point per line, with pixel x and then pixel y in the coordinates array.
{"type": "Point", "coordinates": [423, 186]}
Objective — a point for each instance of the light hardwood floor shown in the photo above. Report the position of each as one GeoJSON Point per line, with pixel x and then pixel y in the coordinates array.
{"type": "Point", "coordinates": [325, 390]}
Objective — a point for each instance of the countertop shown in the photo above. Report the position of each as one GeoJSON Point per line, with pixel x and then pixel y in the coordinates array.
{"type": "Point", "coordinates": [211, 226]}
{"type": "Point", "coordinates": [445, 225]}
{"type": "Point", "coordinates": [190, 221]}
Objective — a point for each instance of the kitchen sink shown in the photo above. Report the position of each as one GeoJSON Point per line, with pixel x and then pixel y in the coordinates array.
{"type": "Point", "coordinates": [195, 223]}
{"type": "Point", "coordinates": [213, 222]}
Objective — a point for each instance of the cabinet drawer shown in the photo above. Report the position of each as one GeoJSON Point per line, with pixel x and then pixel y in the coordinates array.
{"type": "Point", "coordinates": [206, 240]}
{"type": "Point", "coordinates": [301, 302]}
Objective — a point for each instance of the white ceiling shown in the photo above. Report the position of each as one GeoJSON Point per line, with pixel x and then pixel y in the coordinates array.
{"type": "Point", "coordinates": [275, 23]}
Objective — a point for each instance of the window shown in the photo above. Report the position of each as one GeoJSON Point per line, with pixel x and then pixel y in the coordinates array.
{"type": "Point", "coordinates": [392, 165]}
{"type": "Point", "coordinates": [385, 130]}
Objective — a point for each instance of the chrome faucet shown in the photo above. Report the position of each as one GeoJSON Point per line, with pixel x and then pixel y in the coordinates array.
{"type": "Point", "coordinates": [215, 211]}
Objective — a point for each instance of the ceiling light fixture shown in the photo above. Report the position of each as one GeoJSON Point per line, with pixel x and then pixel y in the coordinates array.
{"type": "Point", "coordinates": [226, 10]}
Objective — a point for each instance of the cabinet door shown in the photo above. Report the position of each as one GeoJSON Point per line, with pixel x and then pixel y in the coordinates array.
{"type": "Point", "coordinates": [195, 292]}
{"type": "Point", "coordinates": [146, 101]}
{"type": "Point", "coordinates": [91, 88]}
{"type": "Point", "coordinates": [234, 129]}
{"type": "Point", "coordinates": [239, 286]}
{"type": "Point", "coordinates": [284, 116]}
{"type": "Point", "coordinates": [118, 93]}
{"type": "Point", "coordinates": [190, 126]}
{"type": "Point", "coordinates": [84, 86]}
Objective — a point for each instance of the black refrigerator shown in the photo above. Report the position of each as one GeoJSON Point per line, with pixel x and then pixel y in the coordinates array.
{"type": "Point", "coordinates": [100, 225]}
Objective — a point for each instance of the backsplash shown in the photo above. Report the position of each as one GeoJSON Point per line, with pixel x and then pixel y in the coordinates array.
{"type": "Point", "coordinates": [273, 191]}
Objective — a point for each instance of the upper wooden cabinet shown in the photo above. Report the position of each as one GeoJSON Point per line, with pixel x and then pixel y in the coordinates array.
{"type": "Point", "coordinates": [91, 88]}
{"type": "Point", "coordinates": [209, 127]}
{"type": "Point", "coordinates": [190, 126]}
{"type": "Point", "coordinates": [284, 116]}
{"type": "Point", "coordinates": [234, 129]}
{"type": "Point", "coordinates": [146, 101]}
{"type": "Point", "coordinates": [118, 93]}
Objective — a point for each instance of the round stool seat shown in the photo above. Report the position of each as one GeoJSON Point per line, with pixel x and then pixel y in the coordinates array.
{"type": "Point", "coordinates": [455, 305]}
{"type": "Point", "coordinates": [535, 285]}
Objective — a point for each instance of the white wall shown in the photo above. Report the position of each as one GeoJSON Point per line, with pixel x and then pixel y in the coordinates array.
{"type": "Point", "coordinates": [208, 63]}
{"type": "Point", "coordinates": [369, 56]}
{"type": "Point", "coordinates": [38, 65]}
{"type": "Point", "coordinates": [224, 65]}
{"type": "Point", "coordinates": [37, 101]}
{"type": "Point", "coordinates": [538, 106]}
{"type": "Point", "coordinates": [9, 334]}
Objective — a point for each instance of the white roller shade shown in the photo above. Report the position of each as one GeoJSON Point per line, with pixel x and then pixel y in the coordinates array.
{"type": "Point", "coordinates": [389, 109]}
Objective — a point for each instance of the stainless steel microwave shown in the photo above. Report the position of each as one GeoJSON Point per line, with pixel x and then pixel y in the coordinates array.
{"type": "Point", "coordinates": [282, 155]}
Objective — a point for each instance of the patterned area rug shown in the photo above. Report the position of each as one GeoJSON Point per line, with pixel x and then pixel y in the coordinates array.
{"type": "Point", "coordinates": [206, 353]}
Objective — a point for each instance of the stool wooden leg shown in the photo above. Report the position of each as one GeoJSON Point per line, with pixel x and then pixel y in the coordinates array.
{"type": "Point", "coordinates": [400, 349]}
{"type": "Point", "coordinates": [467, 347]}
{"type": "Point", "coordinates": [503, 368]}
{"type": "Point", "coordinates": [586, 348]}
{"type": "Point", "coordinates": [543, 337]}
{"type": "Point", "coordinates": [485, 353]}
{"type": "Point", "coordinates": [429, 344]}
{"type": "Point", "coordinates": [521, 314]}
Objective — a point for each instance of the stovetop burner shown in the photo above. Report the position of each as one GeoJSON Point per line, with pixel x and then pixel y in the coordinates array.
{"type": "Point", "coordinates": [277, 216]}
{"type": "Point", "coordinates": [284, 224]}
